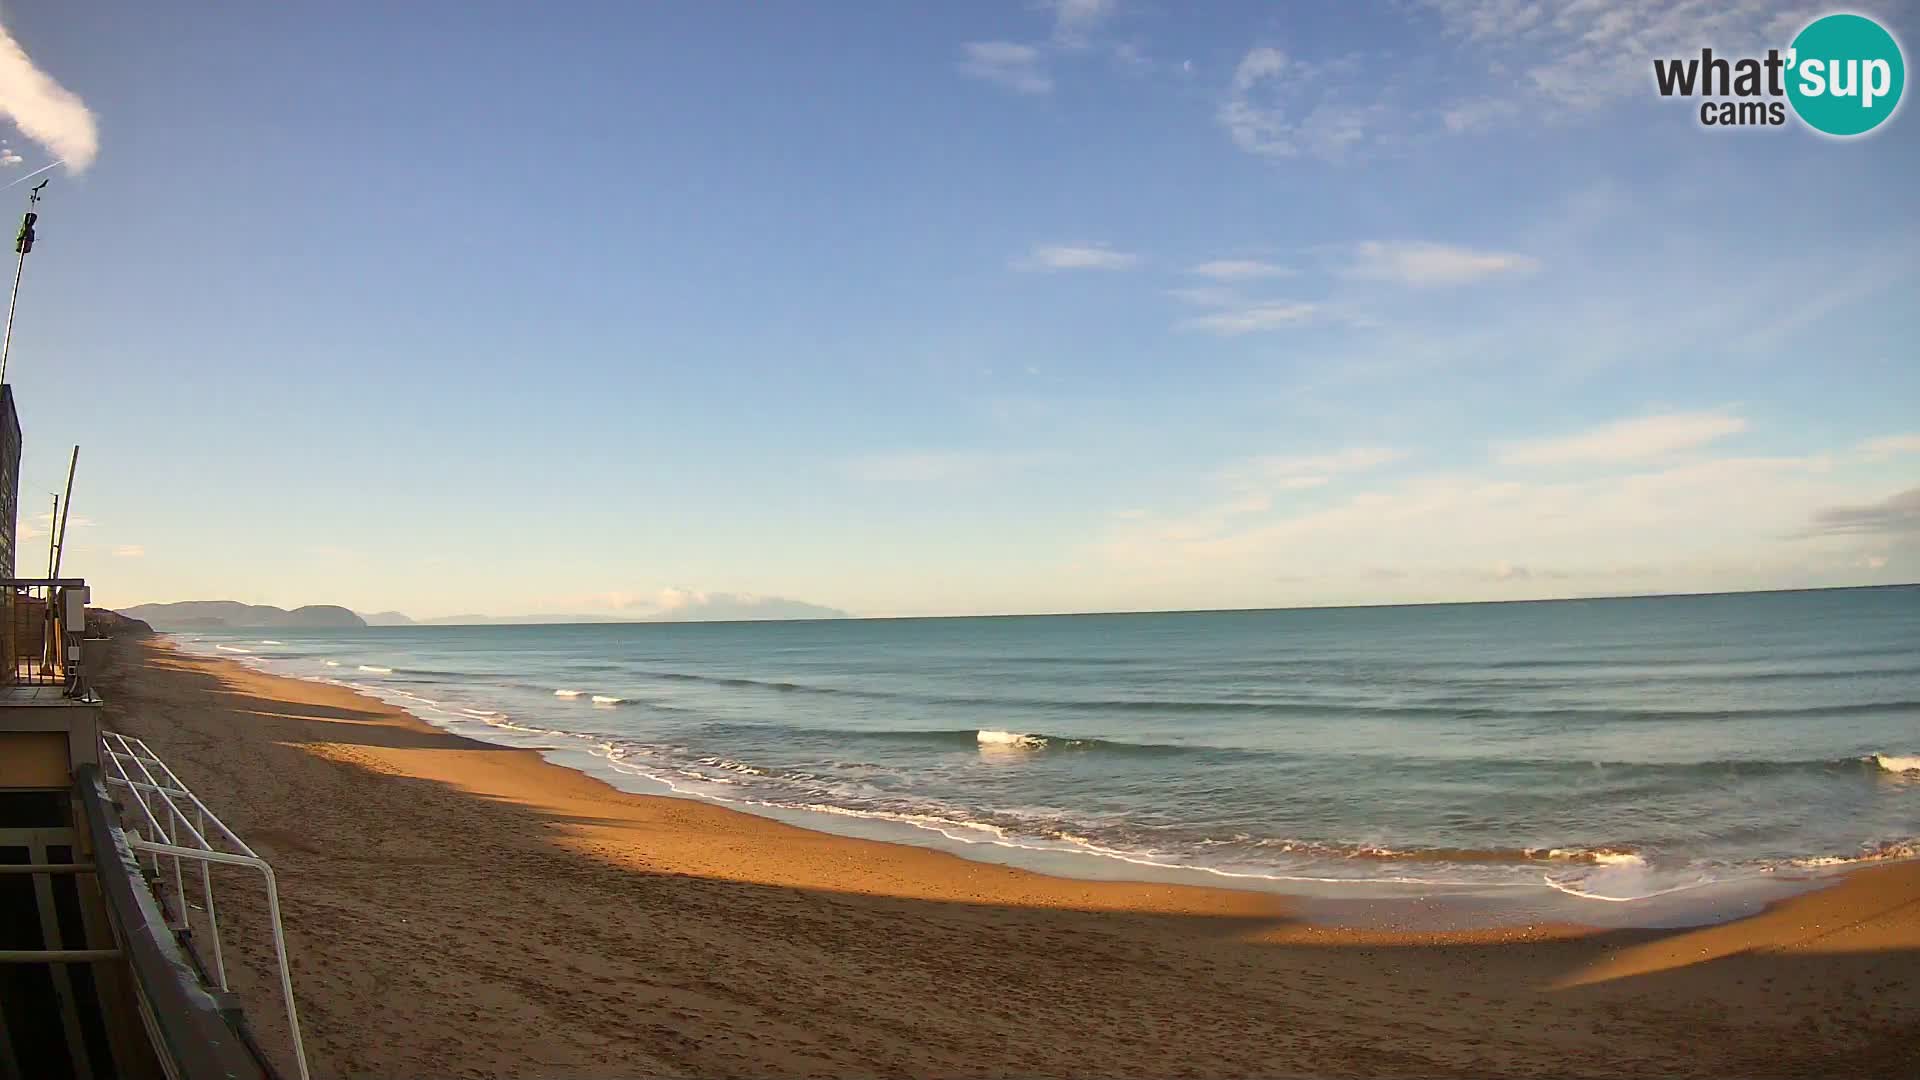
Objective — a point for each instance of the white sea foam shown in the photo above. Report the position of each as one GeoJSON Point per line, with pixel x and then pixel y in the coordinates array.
{"type": "Point", "coordinates": [1012, 739]}
{"type": "Point", "coordinates": [567, 693]}
{"type": "Point", "coordinates": [1602, 857]}
{"type": "Point", "coordinates": [608, 699]}
{"type": "Point", "coordinates": [1883, 852]}
{"type": "Point", "coordinates": [333, 663]}
{"type": "Point", "coordinates": [1898, 763]}
{"type": "Point", "coordinates": [376, 670]}
{"type": "Point", "coordinates": [270, 641]}
{"type": "Point", "coordinates": [232, 648]}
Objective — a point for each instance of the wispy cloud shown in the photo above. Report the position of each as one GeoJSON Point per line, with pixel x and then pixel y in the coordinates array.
{"type": "Point", "coordinates": [1007, 64]}
{"type": "Point", "coordinates": [1255, 317]}
{"type": "Point", "coordinates": [1515, 62]}
{"type": "Point", "coordinates": [1075, 21]}
{"type": "Point", "coordinates": [1067, 257]}
{"type": "Point", "coordinates": [1477, 115]}
{"type": "Point", "coordinates": [129, 551]}
{"type": "Point", "coordinates": [1578, 54]}
{"type": "Point", "coordinates": [1486, 533]}
{"type": "Point", "coordinates": [1640, 439]}
{"type": "Point", "coordinates": [1321, 466]}
{"type": "Point", "coordinates": [1233, 313]}
{"type": "Point", "coordinates": [45, 111]}
{"type": "Point", "coordinates": [1251, 488]}
{"type": "Point", "coordinates": [1429, 265]}
{"type": "Point", "coordinates": [919, 468]}
{"type": "Point", "coordinates": [1279, 106]}
{"type": "Point", "coordinates": [1888, 446]}
{"type": "Point", "coordinates": [1238, 270]}
{"type": "Point", "coordinates": [1896, 515]}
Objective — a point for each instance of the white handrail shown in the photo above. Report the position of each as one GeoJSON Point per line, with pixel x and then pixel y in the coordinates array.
{"type": "Point", "coordinates": [187, 839]}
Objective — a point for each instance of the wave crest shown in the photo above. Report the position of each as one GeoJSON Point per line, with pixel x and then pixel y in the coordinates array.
{"type": "Point", "coordinates": [1897, 763]}
{"type": "Point", "coordinates": [1013, 740]}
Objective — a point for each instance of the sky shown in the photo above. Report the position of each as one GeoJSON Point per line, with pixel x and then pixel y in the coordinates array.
{"type": "Point", "coordinates": [924, 309]}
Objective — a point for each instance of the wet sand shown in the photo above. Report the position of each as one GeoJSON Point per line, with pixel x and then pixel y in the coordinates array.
{"type": "Point", "coordinates": [460, 909]}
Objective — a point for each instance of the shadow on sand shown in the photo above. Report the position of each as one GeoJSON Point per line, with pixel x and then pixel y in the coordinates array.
{"type": "Point", "coordinates": [466, 935]}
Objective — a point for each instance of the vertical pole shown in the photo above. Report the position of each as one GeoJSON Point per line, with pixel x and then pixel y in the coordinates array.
{"type": "Point", "coordinates": [6, 343]}
{"type": "Point", "coordinates": [23, 244]}
{"type": "Point", "coordinates": [47, 635]}
{"type": "Point", "coordinates": [58, 641]}
{"type": "Point", "coordinates": [60, 548]}
{"type": "Point", "coordinates": [206, 892]}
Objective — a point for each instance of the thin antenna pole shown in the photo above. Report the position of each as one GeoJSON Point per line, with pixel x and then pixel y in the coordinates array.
{"type": "Point", "coordinates": [66, 507]}
{"type": "Point", "coordinates": [23, 245]}
{"type": "Point", "coordinates": [6, 344]}
{"type": "Point", "coordinates": [48, 634]}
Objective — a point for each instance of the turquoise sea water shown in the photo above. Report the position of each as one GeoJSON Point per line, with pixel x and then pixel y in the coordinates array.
{"type": "Point", "coordinates": [1589, 751]}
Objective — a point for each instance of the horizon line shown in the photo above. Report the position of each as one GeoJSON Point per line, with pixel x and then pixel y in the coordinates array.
{"type": "Point", "coordinates": [561, 620]}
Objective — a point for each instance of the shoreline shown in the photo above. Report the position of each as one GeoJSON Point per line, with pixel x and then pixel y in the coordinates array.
{"type": "Point", "coordinates": [1359, 901]}
{"type": "Point", "coordinates": [442, 891]}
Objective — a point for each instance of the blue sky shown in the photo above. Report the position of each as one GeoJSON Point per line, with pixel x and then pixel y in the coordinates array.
{"type": "Point", "coordinates": [928, 309]}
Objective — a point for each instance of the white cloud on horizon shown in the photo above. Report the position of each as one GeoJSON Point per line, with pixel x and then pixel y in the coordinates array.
{"type": "Point", "coordinates": [1685, 527]}
{"type": "Point", "coordinates": [1639, 439]}
{"type": "Point", "coordinates": [1426, 265]}
{"type": "Point", "coordinates": [45, 111]}
{"type": "Point", "coordinates": [1007, 64]}
{"type": "Point", "coordinates": [683, 604]}
{"type": "Point", "coordinates": [1050, 257]}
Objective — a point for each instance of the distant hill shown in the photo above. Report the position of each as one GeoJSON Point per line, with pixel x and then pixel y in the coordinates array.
{"type": "Point", "coordinates": [112, 624]}
{"type": "Point", "coordinates": [385, 618]}
{"type": "Point", "coordinates": [230, 615]}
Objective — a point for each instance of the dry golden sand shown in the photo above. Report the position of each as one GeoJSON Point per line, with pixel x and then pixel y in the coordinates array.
{"type": "Point", "coordinates": [457, 909]}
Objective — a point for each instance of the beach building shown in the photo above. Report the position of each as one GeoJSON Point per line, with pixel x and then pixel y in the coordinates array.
{"type": "Point", "coordinates": [111, 960]}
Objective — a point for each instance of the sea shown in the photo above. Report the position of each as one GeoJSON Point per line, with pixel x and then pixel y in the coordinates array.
{"type": "Point", "coordinates": [1653, 760]}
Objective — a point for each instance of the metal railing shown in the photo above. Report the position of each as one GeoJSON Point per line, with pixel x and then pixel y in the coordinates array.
{"type": "Point", "coordinates": [41, 626]}
{"type": "Point", "coordinates": [183, 829]}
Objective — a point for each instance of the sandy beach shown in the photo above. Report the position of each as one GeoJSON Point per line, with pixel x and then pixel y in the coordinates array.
{"type": "Point", "coordinates": [459, 909]}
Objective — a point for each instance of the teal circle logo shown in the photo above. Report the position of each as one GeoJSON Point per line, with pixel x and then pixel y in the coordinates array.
{"type": "Point", "coordinates": [1845, 74]}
